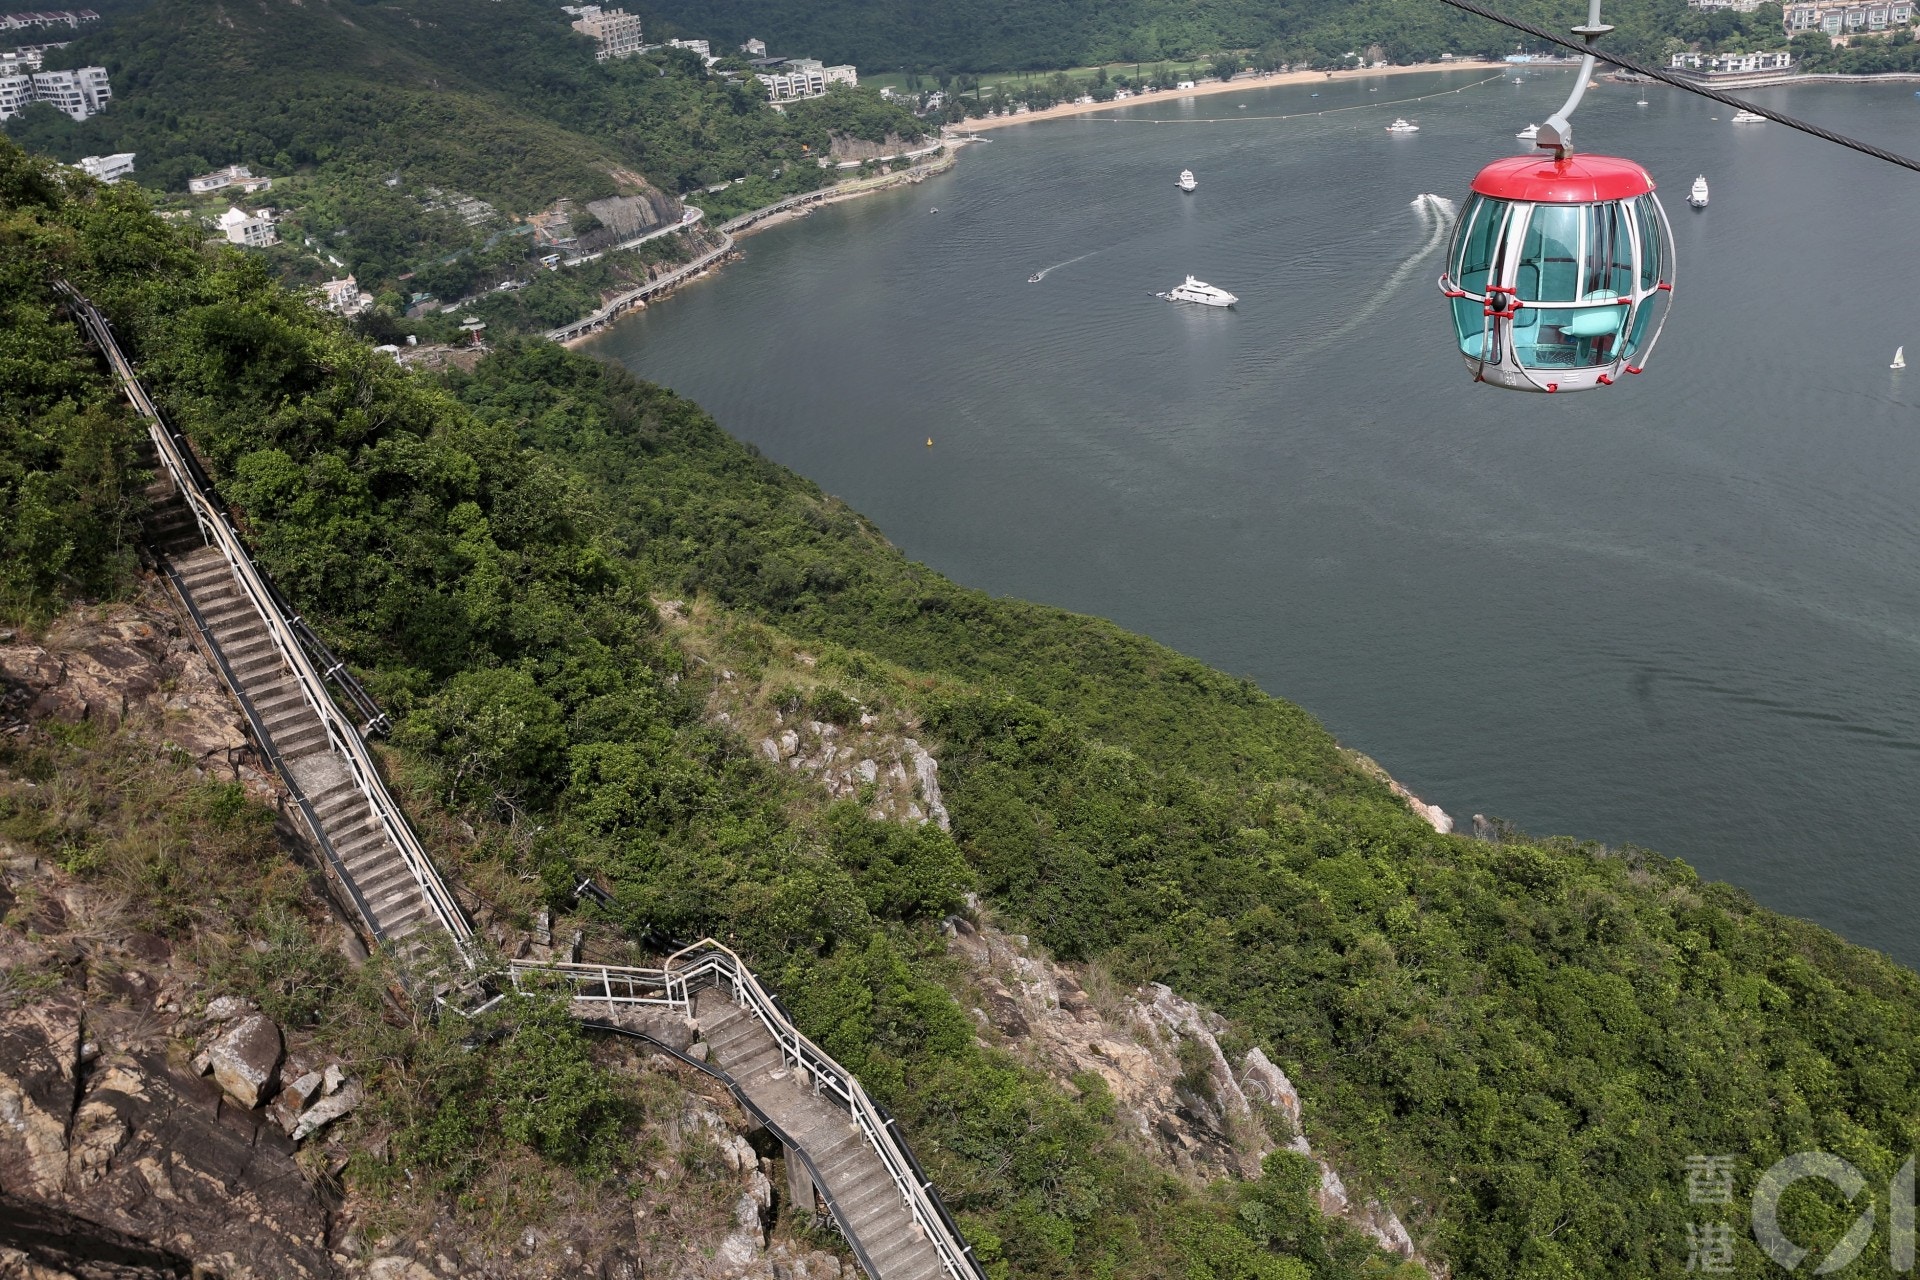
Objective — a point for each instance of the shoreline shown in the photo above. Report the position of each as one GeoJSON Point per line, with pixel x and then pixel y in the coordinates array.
{"type": "Point", "coordinates": [1211, 88]}
{"type": "Point", "coordinates": [737, 228]}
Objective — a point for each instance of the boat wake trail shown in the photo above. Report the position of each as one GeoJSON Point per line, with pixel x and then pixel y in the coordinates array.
{"type": "Point", "coordinates": [1436, 220]}
{"type": "Point", "coordinates": [1043, 272]}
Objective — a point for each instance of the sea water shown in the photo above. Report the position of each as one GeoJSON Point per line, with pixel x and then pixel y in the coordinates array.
{"type": "Point", "coordinates": [1682, 613]}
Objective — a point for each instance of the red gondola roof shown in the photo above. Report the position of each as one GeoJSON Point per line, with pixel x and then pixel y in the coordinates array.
{"type": "Point", "coordinates": [1580, 180]}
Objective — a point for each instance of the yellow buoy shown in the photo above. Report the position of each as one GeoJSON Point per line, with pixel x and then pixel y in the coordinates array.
{"type": "Point", "coordinates": [929, 442]}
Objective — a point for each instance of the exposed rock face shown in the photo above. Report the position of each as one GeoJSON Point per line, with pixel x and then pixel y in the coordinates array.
{"type": "Point", "coordinates": [1431, 814]}
{"type": "Point", "coordinates": [844, 147]}
{"type": "Point", "coordinates": [111, 662]}
{"type": "Point", "coordinates": [246, 1060]}
{"type": "Point", "coordinates": [900, 776]}
{"type": "Point", "coordinates": [630, 215]}
{"type": "Point", "coordinates": [1162, 1060]}
{"type": "Point", "coordinates": [99, 1125]}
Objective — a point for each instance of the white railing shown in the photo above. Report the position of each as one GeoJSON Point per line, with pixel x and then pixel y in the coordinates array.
{"type": "Point", "coordinates": [341, 734]}
{"type": "Point", "coordinates": [709, 958]}
{"type": "Point", "coordinates": [709, 962]}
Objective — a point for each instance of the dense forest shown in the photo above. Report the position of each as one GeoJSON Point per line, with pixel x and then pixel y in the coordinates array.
{"type": "Point", "coordinates": [506, 103]}
{"type": "Point", "coordinates": [1518, 1042]}
{"type": "Point", "coordinates": [374, 117]}
{"type": "Point", "coordinates": [990, 35]}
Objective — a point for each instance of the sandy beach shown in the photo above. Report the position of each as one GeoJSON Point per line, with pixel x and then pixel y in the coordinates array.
{"type": "Point", "coordinates": [1206, 88]}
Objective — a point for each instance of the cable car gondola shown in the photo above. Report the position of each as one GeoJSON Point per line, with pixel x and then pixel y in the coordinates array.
{"type": "Point", "coordinates": [1561, 265]}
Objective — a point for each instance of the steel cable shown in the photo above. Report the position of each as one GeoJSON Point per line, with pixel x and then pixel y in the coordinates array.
{"type": "Point", "coordinates": [1683, 82]}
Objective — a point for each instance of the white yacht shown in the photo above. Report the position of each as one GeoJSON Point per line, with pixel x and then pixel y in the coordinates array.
{"type": "Point", "coordinates": [1698, 196]}
{"type": "Point", "coordinates": [1529, 133]}
{"type": "Point", "coordinates": [1641, 103]}
{"type": "Point", "coordinates": [1403, 126]}
{"type": "Point", "coordinates": [1748, 117]}
{"type": "Point", "coordinates": [1187, 181]}
{"type": "Point", "coordinates": [1191, 290]}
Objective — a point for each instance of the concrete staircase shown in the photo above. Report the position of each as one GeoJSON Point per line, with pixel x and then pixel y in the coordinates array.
{"type": "Point", "coordinates": [298, 739]}
{"type": "Point", "coordinates": [293, 734]}
{"type": "Point", "coordinates": [870, 1206]}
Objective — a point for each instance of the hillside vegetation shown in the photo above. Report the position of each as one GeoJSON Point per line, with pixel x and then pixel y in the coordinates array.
{"type": "Point", "coordinates": [1517, 1043]}
{"type": "Point", "coordinates": [993, 35]}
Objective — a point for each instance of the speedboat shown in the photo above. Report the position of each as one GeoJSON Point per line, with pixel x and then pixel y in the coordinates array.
{"type": "Point", "coordinates": [1529, 133]}
{"type": "Point", "coordinates": [1748, 117]}
{"type": "Point", "coordinates": [1698, 196]}
{"type": "Point", "coordinates": [1191, 290]}
{"type": "Point", "coordinates": [1034, 278]}
{"type": "Point", "coordinates": [1187, 181]}
{"type": "Point", "coordinates": [1403, 126]}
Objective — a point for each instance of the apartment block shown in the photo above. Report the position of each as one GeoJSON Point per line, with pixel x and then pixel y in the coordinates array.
{"type": "Point", "coordinates": [234, 175]}
{"type": "Point", "coordinates": [109, 169]}
{"type": "Point", "coordinates": [1733, 64]}
{"type": "Point", "coordinates": [616, 31]}
{"type": "Point", "coordinates": [1847, 19]}
{"type": "Point", "coordinates": [254, 231]}
{"type": "Point", "coordinates": [80, 93]}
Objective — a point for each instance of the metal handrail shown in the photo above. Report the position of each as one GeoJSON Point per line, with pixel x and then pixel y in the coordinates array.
{"type": "Point", "coordinates": [218, 529]}
{"type": "Point", "coordinates": [772, 1126]}
{"type": "Point", "coordinates": [956, 1255]}
{"type": "Point", "coordinates": [673, 985]}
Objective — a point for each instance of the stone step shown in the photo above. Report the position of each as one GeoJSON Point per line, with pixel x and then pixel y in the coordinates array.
{"type": "Point", "coordinates": [901, 1251]}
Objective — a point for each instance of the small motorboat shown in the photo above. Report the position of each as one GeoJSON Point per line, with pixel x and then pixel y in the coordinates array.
{"type": "Point", "coordinates": [1187, 181]}
{"type": "Point", "coordinates": [935, 209]}
{"type": "Point", "coordinates": [1403, 126]}
{"type": "Point", "coordinates": [1034, 278]}
{"type": "Point", "coordinates": [1697, 197]}
{"type": "Point", "coordinates": [1748, 117]}
{"type": "Point", "coordinates": [1529, 133]}
{"type": "Point", "coordinates": [1899, 358]}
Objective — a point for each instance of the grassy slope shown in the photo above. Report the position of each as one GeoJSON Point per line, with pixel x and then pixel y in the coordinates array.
{"type": "Point", "coordinates": [1522, 1042]}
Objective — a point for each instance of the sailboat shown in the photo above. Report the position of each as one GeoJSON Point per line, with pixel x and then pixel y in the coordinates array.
{"type": "Point", "coordinates": [1899, 358]}
{"type": "Point", "coordinates": [1698, 196]}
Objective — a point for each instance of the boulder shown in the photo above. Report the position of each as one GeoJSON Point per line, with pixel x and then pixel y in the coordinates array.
{"type": "Point", "coordinates": [326, 1111]}
{"type": "Point", "coordinates": [246, 1059]}
{"type": "Point", "coordinates": [227, 1008]}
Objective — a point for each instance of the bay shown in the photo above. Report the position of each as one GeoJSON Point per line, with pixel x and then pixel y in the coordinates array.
{"type": "Point", "coordinates": [1682, 613]}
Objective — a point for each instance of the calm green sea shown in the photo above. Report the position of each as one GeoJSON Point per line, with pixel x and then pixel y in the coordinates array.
{"type": "Point", "coordinates": [1683, 613]}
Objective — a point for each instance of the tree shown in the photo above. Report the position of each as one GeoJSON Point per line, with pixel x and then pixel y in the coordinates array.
{"type": "Point", "coordinates": [1224, 66]}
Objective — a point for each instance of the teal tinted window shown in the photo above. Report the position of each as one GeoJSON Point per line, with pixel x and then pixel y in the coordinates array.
{"type": "Point", "coordinates": [1550, 267]}
{"type": "Point", "coordinates": [1476, 244]}
{"type": "Point", "coordinates": [1651, 248]}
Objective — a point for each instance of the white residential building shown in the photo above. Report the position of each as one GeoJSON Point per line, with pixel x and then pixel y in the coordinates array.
{"type": "Point", "coordinates": [234, 175]}
{"type": "Point", "coordinates": [754, 48]}
{"type": "Point", "coordinates": [80, 93]}
{"type": "Point", "coordinates": [71, 18]}
{"type": "Point", "coordinates": [345, 297]}
{"type": "Point", "coordinates": [16, 91]}
{"type": "Point", "coordinates": [1845, 19]}
{"type": "Point", "coordinates": [109, 169]}
{"type": "Point", "coordinates": [701, 47]}
{"type": "Point", "coordinates": [1732, 64]}
{"type": "Point", "coordinates": [798, 78]}
{"type": "Point", "coordinates": [255, 231]}
{"type": "Point", "coordinates": [616, 30]}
